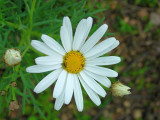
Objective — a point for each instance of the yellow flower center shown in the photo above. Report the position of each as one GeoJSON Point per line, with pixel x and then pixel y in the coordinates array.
{"type": "Point", "coordinates": [73, 62]}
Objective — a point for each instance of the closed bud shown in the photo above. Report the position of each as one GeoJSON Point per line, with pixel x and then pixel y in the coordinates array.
{"type": "Point", "coordinates": [118, 89]}
{"type": "Point", "coordinates": [13, 105]}
{"type": "Point", "coordinates": [13, 84]}
{"type": "Point", "coordinates": [3, 92]}
{"type": "Point", "coordinates": [12, 57]}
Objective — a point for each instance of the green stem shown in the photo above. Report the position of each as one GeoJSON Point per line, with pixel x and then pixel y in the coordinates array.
{"type": "Point", "coordinates": [26, 35]}
{"type": "Point", "coordinates": [31, 21]}
{"type": "Point", "coordinates": [25, 50]}
{"type": "Point", "coordinates": [7, 87]}
{"type": "Point", "coordinates": [13, 93]}
{"type": "Point", "coordinates": [16, 26]}
{"type": "Point", "coordinates": [31, 16]}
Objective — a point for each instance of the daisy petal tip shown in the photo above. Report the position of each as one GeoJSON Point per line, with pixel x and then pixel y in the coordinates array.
{"type": "Point", "coordinates": [61, 27]}
{"type": "Point", "coordinates": [80, 109]}
{"type": "Point", "coordinates": [109, 85]}
{"type": "Point", "coordinates": [105, 26]}
{"type": "Point", "coordinates": [55, 95]}
{"type": "Point", "coordinates": [116, 75]}
{"type": "Point", "coordinates": [56, 108]}
{"type": "Point", "coordinates": [117, 42]}
{"type": "Point", "coordinates": [90, 18]}
{"type": "Point", "coordinates": [67, 17]}
{"type": "Point", "coordinates": [99, 103]}
{"type": "Point", "coordinates": [66, 102]}
{"type": "Point", "coordinates": [36, 91]}
{"type": "Point", "coordinates": [27, 69]}
{"type": "Point", "coordinates": [64, 19]}
{"type": "Point", "coordinates": [43, 36]}
{"type": "Point", "coordinates": [119, 59]}
{"type": "Point", "coordinates": [104, 94]}
{"type": "Point", "coordinates": [113, 38]}
{"type": "Point", "coordinates": [33, 41]}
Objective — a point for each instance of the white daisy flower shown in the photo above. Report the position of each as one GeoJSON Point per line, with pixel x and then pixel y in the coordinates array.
{"type": "Point", "coordinates": [78, 61]}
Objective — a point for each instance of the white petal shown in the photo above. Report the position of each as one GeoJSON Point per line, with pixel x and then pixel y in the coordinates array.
{"type": "Point", "coordinates": [67, 23]}
{"type": "Point", "coordinates": [47, 81]}
{"type": "Point", "coordinates": [78, 94]}
{"type": "Point", "coordinates": [69, 88]}
{"type": "Point", "coordinates": [65, 39]}
{"type": "Point", "coordinates": [82, 32]}
{"type": "Point", "coordinates": [54, 45]}
{"type": "Point", "coordinates": [60, 84]}
{"type": "Point", "coordinates": [66, 34]}
{"type": "Point", "coordinates": [101, 79]}
{"type": "Point", "coordinates": [102, 46]}
{"type": "Point", "coordinates": [96, 36]}
{"type": "Point", "coordinates": [93, 96]}
{"type": "Point", "coordinates": [109, 60]}
{"type": "Point", "coordinates": [79, 34]}
{"type": "Point", "coordinates": [89, 25]}
{"type": "Point", "coordinates": [93, 84]}
{"type": "Point", "coordinates": [101, 71]}
{"type": "Point", "coordinates": [116, 43]}
{"type": "Point", "coordinates": [59, 101]}
{"type": "Point", "coordinates": [48, 60]}
{"type": "Point", "coordinates": [42, 68]}
{"type": "Point", "coordinates": [43, 48]}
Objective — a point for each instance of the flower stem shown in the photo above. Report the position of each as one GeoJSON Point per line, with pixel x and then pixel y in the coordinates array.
{"type": "Point", "coordinates": [31, 21]}
{"type": "Point", "coordinates": [13, 93]}
{"type": "Point", "coordinates": [31, 15]}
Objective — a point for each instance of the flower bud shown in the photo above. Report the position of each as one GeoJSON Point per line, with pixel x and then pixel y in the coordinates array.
{"type": "Point", "coordinates": [12, 57]}
{"type": "Point", "coordinates": [3, 92]}
{"type": "Point", "coordinates": [13, 84]}
{"type": "Point", "coordinates": [13, 105]}
{"type": "Point", "coordinates": [118, 89]}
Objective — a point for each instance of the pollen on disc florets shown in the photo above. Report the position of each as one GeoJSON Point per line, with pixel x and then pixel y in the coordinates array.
{"type": "Point", "coordinates": [73, 62]}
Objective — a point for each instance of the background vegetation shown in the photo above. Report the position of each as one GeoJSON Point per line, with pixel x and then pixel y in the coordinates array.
{"type": "Point", "coordinates": [134, 22]}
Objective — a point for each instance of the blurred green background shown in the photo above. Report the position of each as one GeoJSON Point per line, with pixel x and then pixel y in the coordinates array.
{"type": "Point", "coordinates": [135, 23]}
